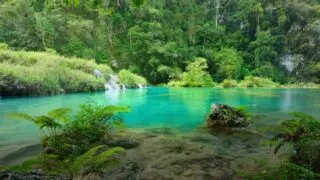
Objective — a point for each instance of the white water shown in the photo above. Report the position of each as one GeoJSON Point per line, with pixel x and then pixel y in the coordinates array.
{"type": "Point", "coordinates": [112, 84]}
{"type": "Point", "coordinates": [140, 86]}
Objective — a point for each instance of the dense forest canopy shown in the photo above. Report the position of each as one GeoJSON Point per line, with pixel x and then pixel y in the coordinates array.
{"type": "Point", "coordinates": [277, 39]}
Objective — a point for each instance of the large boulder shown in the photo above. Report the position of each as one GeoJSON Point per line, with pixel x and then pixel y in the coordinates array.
{"type": "Point", "coordinates": [225, 116]}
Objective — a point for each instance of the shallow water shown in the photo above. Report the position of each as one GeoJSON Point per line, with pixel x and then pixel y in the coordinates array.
{"type": "Point", "coordinates": [180, 108]}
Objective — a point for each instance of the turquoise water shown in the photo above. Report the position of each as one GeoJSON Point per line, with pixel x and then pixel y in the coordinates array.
{"type": "Point", "coordinates": [182, 108]}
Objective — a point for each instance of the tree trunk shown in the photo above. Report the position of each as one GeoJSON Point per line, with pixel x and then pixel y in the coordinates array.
{"type": "Point", "coordinates": [217, 12]}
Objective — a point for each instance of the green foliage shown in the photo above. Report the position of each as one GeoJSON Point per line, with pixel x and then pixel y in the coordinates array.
{"type": "Point", "coordinates": [27, 165]}
{"type": "Point", "coordinates": [252, 81]}
{"type": "Point", "coordinates": [269, 71]}
{"type": "Point", "coordinates": [293, 171]}
{"type": "Point", "coordinates": [130, 79]}
{"type": "Point", "coordinates": [4, 46]}
{"type": "Point", "coordinates": [159, 39]}
{"type": "Point", "coordinates": [50, 123]}
{"type": "Point", "coordinates": [40, 73]}
{"type": "Point", "coordinates": [64, 140]}
{"type": "Point", "coordinates": [195, 76]}
{"type": "Point", "coordinates": [90, 126]}
{"type": "Point", "coordinates": [303, 133]}
{"type": "Point", "coordinates": [229, 63]}
{"type": "Point", "coordinates": [96, 159]}
{"type": "Point", "coordinates": [229, 83]}
{"type": "Point", "coordinates": [244, 111]}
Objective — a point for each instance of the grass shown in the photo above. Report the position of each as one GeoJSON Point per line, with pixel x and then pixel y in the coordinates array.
{"type": "Point", "coordinates": [45, 73]}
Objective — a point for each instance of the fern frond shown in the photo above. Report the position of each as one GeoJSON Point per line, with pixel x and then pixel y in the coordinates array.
{"type": "Point", "coordinates": [24, 116]}
{"type": "Point", "coordinates": [116, 109]}
{"type": "Point", "coordinates": [46, 122]}
{"type": "Point", "coordinates": [94, 162]}
{"type": "Point", "coordinates": [60, 114]}
{"type": "Point", "coordinates": [85, 159]}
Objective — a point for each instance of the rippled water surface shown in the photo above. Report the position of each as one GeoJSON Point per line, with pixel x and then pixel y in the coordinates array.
{"type": "Point", "coordinates": [181, 108]}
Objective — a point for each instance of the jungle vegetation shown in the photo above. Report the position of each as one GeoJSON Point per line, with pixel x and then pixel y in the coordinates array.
{"type": "Point", "coordinates": [159, 39]}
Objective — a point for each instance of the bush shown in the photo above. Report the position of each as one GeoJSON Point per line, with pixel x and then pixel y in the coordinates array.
{"type": "Point", "coordinates": [253, 81]}
{"type": "Point", "coordinates": [4, 46]}
{"type": "Point", "coordinates": [196, 76]}
{"type": "Point", "coordinates": [130, 79]}
{"type": "Point", "coordinates": [229, 83]}
{"type": "Point", "coordinates": [43, 73]}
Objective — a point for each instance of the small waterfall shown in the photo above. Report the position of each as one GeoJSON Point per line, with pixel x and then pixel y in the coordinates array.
{"type": "Point", "coordinates": [112, 84]}
{"type": "Point", "coordinates": [140, 86]}
{"type": "Point", "coordinates": [123, 87]}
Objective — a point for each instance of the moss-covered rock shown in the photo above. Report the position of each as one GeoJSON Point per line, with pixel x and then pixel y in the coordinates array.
{"type": "Point", "coordinates": [225, 116]}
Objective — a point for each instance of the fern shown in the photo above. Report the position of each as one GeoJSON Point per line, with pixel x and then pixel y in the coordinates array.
{"type": "Point", "coordinates": [52, 121]}
{"type": "Point", "coordinates": [293, 171]}
{"type": "Point", "coordinates": [303, 133]}
{"type": "Point", "coordinates": [94, 160]}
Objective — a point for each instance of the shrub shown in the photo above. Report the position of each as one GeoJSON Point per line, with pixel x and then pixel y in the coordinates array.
{"type": "Point", "coordinates": [195, 76]}
{"type": "Point", "coordinates": [42, 73]}
{"type": "Point", "coordinates": [4, 46]}
{"type": "Point", "coordinates": [253, 81]}
{"type": "Point", "coordinates": [130, 79]}
{"type": "Point", "coordinates": [229, 83]}
{"type": "Point", "coordinates": [177, 84]}
{"type": "Point", "coordinates": [303, 134]}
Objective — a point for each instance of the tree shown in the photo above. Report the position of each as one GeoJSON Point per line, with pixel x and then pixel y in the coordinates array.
{"type": "Point", "coordinates": [229, 64]}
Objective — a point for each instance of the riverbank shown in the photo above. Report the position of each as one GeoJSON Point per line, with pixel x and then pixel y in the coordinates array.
{"type": "Point", "coordinates": [164, 153]}
{"type": "Point", "coordinates": [28, 73]}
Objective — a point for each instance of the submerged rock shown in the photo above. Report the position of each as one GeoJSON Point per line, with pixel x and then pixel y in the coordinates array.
{"type": "Point", "coordinates": [225, 116]}
{"type": "Point", "coordinates": [123, 142]}
{"type": "Point", "coordinates": [33, 175]}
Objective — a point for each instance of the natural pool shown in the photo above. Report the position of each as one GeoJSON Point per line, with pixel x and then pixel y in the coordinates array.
{"type": "Point", "coordinates": [182, 108]}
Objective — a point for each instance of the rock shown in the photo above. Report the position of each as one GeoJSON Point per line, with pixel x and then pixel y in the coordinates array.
{"type": "Point", "coordinates": [33, 175]}
{"type": "Point", "coordinates": [225, 116]}
{"type": "Point", "coordinates": [125, 143]}
{"type": "Point", "coordinates": [62, 91]}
